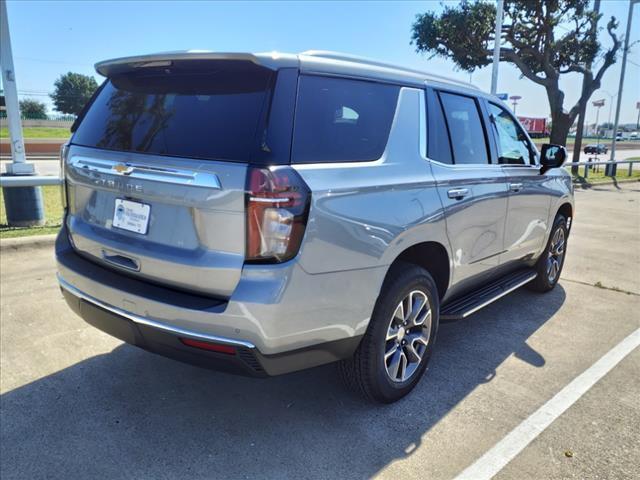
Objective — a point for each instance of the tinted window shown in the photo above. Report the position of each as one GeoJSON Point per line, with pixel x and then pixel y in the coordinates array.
{"type": "Point", "coordinates": [340, 120]}
{"type": "Point", "coordinates": [513, 146]}
{"type": "Point", "coordinates": [465, 129]}
{"type": "Point", "coordinates": [198, 109]}
{"type": "Point", "coordinates": [438, 145]}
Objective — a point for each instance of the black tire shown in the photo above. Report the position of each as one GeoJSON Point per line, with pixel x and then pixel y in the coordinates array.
{"type": "Point", "coordinates": [543, 282]}
{"type": "Point", "coordinates": [366, 372]}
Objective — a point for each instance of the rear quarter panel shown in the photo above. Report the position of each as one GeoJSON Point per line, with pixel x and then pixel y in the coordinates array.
{"type": "Point", "coordinates": [364, 214]}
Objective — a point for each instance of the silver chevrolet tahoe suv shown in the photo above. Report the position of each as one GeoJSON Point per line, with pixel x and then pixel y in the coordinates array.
{"type": "Point", "coordinates": [265, 213]}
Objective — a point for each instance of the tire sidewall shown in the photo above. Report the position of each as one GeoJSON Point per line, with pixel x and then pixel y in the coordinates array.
{"type": "Point", "coordinates": [560, 222]}
{"type": "Point", "coordinates": [393, 292]}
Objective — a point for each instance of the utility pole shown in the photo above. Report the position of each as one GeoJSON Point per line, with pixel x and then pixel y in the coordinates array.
{"type": "Point", "coordinates": [577, 145]}
{"type": "Point", "coordinates": [612, 168]}
{"type": "Point", "coordinates": [23, 205]}
{"type": "Point", "coordinates": [496, 47]}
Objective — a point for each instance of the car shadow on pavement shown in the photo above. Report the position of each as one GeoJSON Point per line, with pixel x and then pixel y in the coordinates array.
{"type": "Point", "coordinates": [131, 414]}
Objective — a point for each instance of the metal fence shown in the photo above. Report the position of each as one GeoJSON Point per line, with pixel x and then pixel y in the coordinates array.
{"type": "Point", "coordinates": [41, 180]}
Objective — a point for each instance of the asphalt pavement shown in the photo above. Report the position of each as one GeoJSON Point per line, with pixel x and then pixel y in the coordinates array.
{"type": "Point", "coordinates": [76, 403]}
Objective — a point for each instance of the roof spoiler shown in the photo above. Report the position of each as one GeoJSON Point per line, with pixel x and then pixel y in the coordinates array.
{"type": "Point", "coordinates": [270, 60]}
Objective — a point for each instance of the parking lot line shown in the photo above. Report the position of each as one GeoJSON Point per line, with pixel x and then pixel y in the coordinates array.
{"type": "Point", "coordinates": [506, 449]}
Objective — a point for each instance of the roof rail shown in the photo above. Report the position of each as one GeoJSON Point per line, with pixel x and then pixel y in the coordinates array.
{"type": "Point", "coordinates": [369, 61]}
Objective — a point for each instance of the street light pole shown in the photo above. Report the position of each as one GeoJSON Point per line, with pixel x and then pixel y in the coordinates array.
{"type": "Point", "coordinates": [598, 104]}
{"type": "Point", "coordinates": [612, 168]}
{"type": "Point", "coordinates": [514, 101]}
{"type": "Point", "coordinates": [23, 205]}
{"type": "Point", "coordinates": [496, 47]}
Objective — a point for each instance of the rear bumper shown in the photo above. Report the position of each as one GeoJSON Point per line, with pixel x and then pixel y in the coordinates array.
{"type": "Point", "coordinates": [155, 318]}
{"type": "Point", "coordinates": [159, 340]}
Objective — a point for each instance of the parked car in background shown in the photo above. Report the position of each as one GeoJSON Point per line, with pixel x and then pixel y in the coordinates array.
{"type": "Point", "coordinates": [266, 213]}
{"type": "Point", "coordinates": [596, 149]}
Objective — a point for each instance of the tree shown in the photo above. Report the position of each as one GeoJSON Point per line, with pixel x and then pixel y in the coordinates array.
{"type": "Point", "coordinates": [33, 109]}
{"type": "Point", "coordinates": [530, 40]}
{"type": "Point", "coordinates": [72, 91]}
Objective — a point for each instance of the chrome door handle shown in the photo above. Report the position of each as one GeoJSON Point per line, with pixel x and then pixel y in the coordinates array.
{"type": "Point", "coordinates": [458, 193]}
{"type": "Point", "coordinates": [515, 187]}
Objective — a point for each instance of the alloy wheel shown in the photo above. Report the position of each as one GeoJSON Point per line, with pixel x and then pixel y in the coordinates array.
{"type": "Point", "coordinates": [407, 336]}
{"type": "Point", "coordinates": [556, 254]}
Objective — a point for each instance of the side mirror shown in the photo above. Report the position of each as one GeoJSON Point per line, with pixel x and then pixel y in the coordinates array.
{"type": "Point", "coordinates": [552, 156]}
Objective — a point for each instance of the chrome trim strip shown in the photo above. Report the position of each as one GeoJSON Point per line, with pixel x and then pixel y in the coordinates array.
{"type": "Point", "coordinates": [270, 200]}
{"type": "Point", "coordinates": [147, 172]}
{"type": "Point", "coordinates": [491, 300]}
{"type": "Point", "coordinates": [148, 322]}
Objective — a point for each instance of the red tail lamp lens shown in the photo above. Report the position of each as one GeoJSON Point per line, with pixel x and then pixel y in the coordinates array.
{"type": "Point", "coordinates": [277, 211]}
{"type": "Point", "coordinates": [213, 347]}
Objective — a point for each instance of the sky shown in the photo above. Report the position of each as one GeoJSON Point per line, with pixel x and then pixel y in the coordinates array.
{"type": "Point", "coordinates": [52, 37]}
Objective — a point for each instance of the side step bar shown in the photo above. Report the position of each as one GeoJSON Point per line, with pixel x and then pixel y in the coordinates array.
{"type": "Point", "coordinates": [474, 301]}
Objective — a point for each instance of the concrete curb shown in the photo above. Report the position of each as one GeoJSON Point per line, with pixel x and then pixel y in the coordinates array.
{"type": "Point", "coordinates": [24, 243]}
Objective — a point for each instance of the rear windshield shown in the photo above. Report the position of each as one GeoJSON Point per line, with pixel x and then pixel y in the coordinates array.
{"type": "Point", "coordinates": [210, 110]}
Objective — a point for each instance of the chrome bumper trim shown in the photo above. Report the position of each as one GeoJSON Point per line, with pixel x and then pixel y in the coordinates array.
{"type": "Point", "coordinates": [148, 322]}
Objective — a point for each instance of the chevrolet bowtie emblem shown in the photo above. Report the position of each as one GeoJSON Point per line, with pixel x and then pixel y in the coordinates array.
{"type": "Point", "coordinates": [123, 168]}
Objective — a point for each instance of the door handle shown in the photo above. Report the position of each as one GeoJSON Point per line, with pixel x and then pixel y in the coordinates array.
{"type": "Point", "coordinates": [515, 187]}
{"type": "Point", "coordinates": [458, 193]}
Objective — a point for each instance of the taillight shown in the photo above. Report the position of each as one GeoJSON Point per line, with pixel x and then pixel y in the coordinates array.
{"type": "Point", "coordinates": [277, 211]}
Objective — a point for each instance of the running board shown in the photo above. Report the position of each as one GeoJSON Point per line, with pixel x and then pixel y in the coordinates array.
{"type": "Point", "coordinates": [474, 301]}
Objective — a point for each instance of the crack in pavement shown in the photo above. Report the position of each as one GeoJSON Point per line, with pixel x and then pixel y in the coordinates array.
{"type": "Point", "coordinates": [603, 287]}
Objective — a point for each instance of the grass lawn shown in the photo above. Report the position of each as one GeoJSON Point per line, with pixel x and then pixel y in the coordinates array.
{"type": "Point", "coordinates": [53, 215]}
{"type": "Point", "coordinates": [572, 140]}
{"type": "Point", "coordinates": [39, 132]}
{"type": "Point", "coordinates": [622, 173]}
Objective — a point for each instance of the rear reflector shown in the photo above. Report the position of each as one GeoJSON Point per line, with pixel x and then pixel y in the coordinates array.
{"type": "Point", "coordinates": [213, 347]}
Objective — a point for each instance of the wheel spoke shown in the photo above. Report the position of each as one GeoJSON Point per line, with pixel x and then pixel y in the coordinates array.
{"type": "Point", "coordinates": [402, 371]}
{"type": "Point", "coordinates": [399, 313]}
{"type": "Point", "coordinates": [424, 318]}
{"type": "Point", "coordinates": [392, 333]}
{"type": "Point", "coordinates": [394, 365]}
{"type": "Point", "coordinates": [413, 354]}
{"type": "Point", "coordinates": [418, 301]}
{"type": "Point", "coordinates": [391, 351]}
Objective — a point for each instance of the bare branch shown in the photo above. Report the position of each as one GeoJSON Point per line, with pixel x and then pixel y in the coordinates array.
{"type": "Point", "coordinates": [511, 56]}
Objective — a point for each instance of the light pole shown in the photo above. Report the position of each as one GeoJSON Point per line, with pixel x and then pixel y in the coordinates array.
{"type": "Point", "coordinates": [496, 47]}
{"type": "Point", "coordinates": [611, 97]}
{"type": "Point", "coordinates": [514, 101]}
{"type": "Point", "coordinates": [612, 170]}
{"type": "Point", "coordinates": [23, 205]}
{"type": "Point", "coordinates": [598, 104]}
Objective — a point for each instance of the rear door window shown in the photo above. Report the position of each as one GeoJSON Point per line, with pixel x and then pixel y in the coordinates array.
{"type": "Point", "coordinates": [467, 133]}
{"type": "Point", "coordinates": [210, 110]}
{"type": "Point", "coordinates": [342, 120]}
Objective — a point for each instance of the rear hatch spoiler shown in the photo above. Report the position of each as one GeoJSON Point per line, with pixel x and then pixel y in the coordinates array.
{"type": "Point", "coordinates": [271, 60]}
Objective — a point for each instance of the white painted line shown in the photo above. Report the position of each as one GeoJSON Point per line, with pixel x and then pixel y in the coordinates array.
{"type": "Point", "coordinates": [506, 449]}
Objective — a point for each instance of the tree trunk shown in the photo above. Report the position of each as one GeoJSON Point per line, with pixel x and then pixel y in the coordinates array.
{"type": "Point", "coordinates": [561, 123]}
{"type": "Point", "coordinates": [577, 144]}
